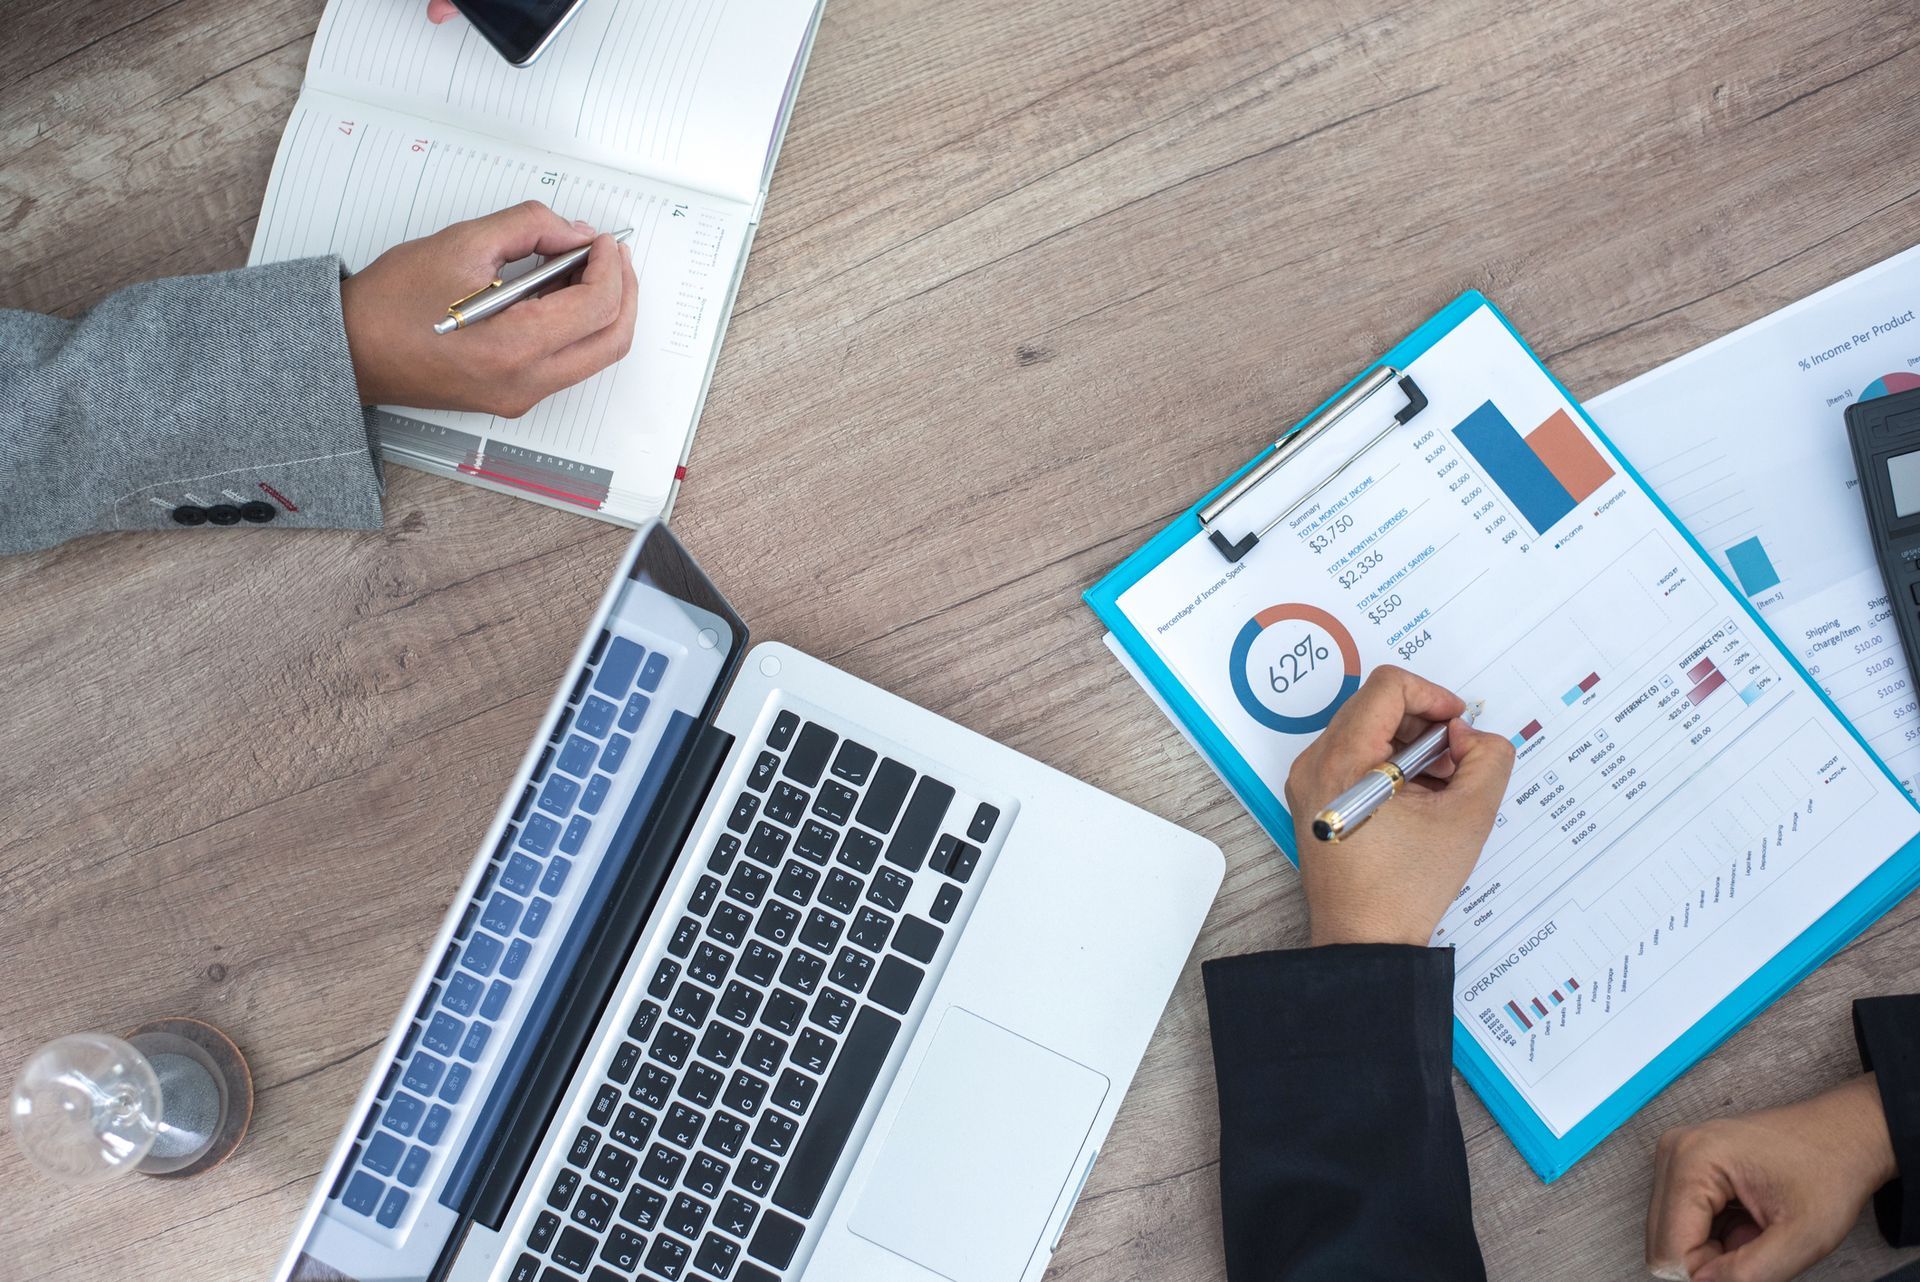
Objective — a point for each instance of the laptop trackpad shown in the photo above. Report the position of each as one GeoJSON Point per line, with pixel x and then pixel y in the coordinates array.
{"type": "Point", "coordinates": [979, 1152]}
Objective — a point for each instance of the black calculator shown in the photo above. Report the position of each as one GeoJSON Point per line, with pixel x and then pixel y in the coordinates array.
{"type": "Point", "coordinates": [1885, 432]}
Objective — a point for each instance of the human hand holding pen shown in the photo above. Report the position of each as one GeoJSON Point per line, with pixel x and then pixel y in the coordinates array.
{"type": "Point", "coordinates": [1429, 749]}
{"type": "Point", "coordinates": [518, 356]}
{"type": "Point", "coordinates": [1391, 880]}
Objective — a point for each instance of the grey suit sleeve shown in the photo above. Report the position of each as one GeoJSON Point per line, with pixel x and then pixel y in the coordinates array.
{"type": "Point", "coordinates": [208, 401]}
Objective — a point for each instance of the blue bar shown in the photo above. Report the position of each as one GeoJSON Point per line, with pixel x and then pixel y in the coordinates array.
{"type": "Point", "coordinates": [1572, 696]}
{"type": "Point", "coordinates": [1751, 693]}
{"type": "Point", "coordinates": [1752, 567]}
{"type": "Point", "coordinates": [1513, 466]}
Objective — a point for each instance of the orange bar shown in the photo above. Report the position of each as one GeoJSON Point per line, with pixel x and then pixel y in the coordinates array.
{"type": "Point", "coordinates": [1569, 456]}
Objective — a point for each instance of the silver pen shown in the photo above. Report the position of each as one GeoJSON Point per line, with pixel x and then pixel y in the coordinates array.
{"type": "Point", "coordinates": [1354, 806]}
{"type": "Point", "coordinates": [495, 294]}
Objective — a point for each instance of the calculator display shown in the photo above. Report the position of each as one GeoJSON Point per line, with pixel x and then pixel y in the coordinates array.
{"type": "Point", "coordinates": [1903, 474]}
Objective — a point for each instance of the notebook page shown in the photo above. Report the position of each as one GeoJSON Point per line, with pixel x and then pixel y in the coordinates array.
{"type": "Point", "coordinates": [688, 91]}
{"type": "Point", "coordinates": [354, 180]}
{"type": "Point", "coordinates": [1682, 806]}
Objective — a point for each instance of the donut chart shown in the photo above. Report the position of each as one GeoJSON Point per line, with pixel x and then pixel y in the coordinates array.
{"type": "Point", "coordinates": [1305, 656]}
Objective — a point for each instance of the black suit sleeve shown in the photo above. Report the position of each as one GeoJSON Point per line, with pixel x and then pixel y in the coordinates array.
{"type": "Point", "coordinates": [1888, 1030]}
{"type": "Point", "coordinates": [1340, 1148]}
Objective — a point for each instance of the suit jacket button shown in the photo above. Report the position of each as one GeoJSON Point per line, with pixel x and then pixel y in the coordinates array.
{"type": "Point", "coordinates": [224, 514]}
{"type": "Point", "coordinates": [258, 512]}
{"type": "Point", "coordinates": [188, 514]}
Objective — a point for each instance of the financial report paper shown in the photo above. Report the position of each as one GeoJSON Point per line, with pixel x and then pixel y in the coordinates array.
{"type": "Point", "coordinates": [1746, 440]}
{"type": "Point", "coordinates": [1683, 804]}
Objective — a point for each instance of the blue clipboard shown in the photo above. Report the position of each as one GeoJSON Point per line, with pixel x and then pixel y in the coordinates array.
{"type": "Point", "coordinates": [1550, 1155]}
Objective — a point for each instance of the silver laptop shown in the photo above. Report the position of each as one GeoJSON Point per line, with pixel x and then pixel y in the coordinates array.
{"type": "Point", "coordinates": [760, 973]}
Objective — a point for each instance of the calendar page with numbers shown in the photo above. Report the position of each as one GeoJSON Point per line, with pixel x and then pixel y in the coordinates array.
{"type": "Point", "coordinates": [663, 116]}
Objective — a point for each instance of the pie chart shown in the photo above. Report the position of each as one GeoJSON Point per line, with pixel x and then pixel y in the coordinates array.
{"type": "Point", "coordinates": [1281, 652]}
{"type": "Point", "coordinates": [1889, 384]}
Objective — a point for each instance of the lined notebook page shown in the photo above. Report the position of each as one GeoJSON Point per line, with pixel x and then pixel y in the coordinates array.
{"type": "Point", "coordinates": [354, 180]}
{"type": "Point", "coordinates": [690, 91]}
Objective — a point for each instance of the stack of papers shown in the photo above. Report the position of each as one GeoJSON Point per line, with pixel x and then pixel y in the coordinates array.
{"type": "Point", "coordinates": [1691, 824]}
{"type": "Point", "coordinates": [1746, 441]}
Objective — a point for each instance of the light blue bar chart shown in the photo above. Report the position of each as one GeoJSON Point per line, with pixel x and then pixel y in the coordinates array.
{"type": "Point", "coordinates": [1752, 566]}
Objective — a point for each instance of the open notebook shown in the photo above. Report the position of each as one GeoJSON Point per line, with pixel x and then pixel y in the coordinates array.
{"type": "Point", "coordinates": [662, 115]}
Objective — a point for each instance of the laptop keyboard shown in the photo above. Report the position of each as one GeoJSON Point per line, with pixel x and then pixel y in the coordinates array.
{"type": "Point", "coordinates": [502, 939]}
{"type": "Point", "coordinates": [769, 1014]}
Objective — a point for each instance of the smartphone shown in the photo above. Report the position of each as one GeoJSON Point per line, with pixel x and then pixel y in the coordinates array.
{"type": "Point", "coordinates": [518, 29]}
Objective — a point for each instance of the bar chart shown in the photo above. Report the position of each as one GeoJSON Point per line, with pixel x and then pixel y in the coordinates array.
{"type": "Point", "coordinates": [1629, 924]}
{"type": "Point", "coordinates": [1539, 1007]}
{"type": "Point", "coordinates": [1586, 683]}
{"type": "Point", "coordinates": [1633, 713]}
{"type": "Point", "coordinates": [1707, 678]}
{"type": "Point", "coordinates": [1752, 566]}
{"type": "Point", "coordinates": [1544, 474]}
{"type": "Point", "coordinates": [1572, 695]}
{"type": "Point", "coordinates": [1526, 734]}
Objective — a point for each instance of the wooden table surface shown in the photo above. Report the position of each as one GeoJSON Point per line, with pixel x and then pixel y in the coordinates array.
{"type": "Point", "coordinates": [1031, 277]}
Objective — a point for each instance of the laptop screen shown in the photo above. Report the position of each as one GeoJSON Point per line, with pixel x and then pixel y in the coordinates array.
{"type": "Point", "coordinates": [528, 953]}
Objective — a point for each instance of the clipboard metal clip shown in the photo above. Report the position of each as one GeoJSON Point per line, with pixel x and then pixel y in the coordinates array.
{"type": "Point", "coordinates": [1293, 442]}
